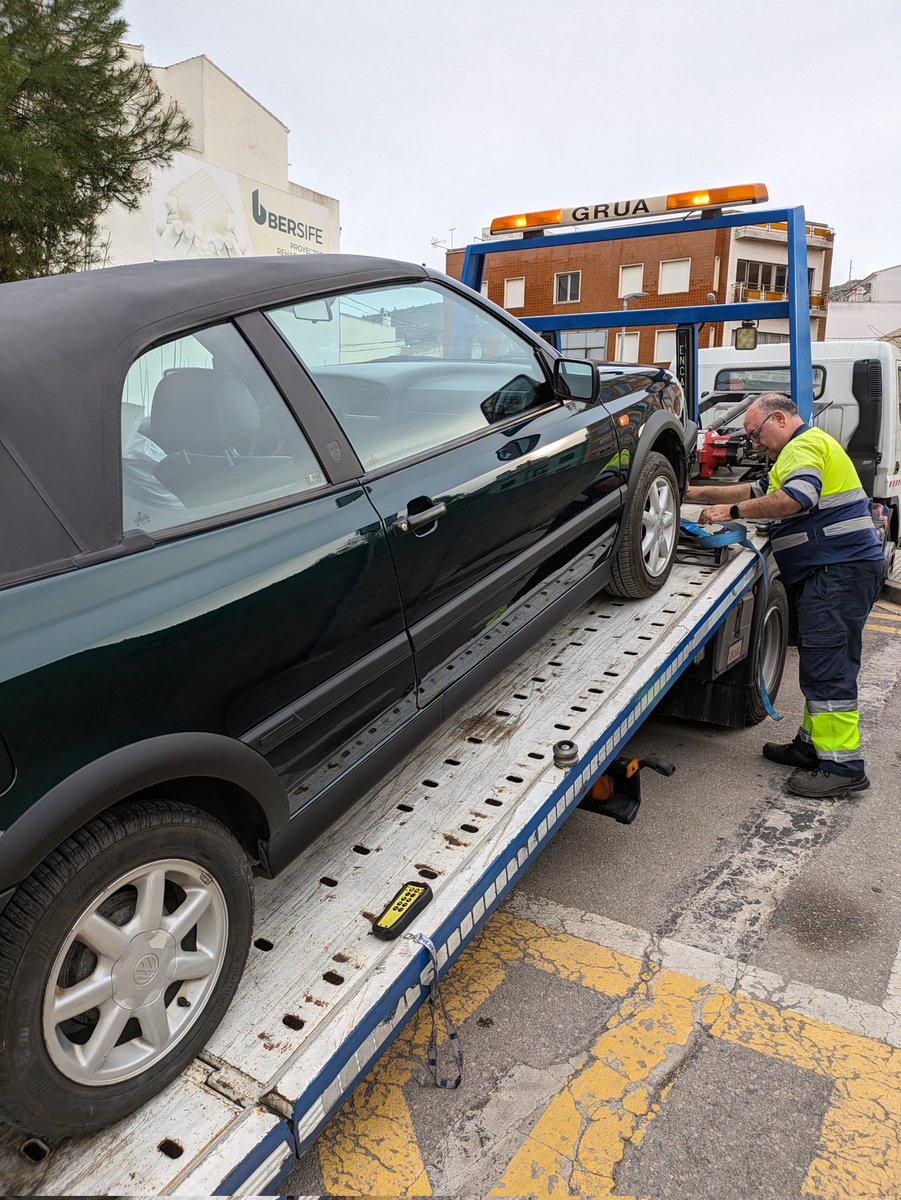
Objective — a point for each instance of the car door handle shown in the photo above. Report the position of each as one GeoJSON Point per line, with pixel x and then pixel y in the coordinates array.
{"type": "Point", "coordinates": [419, 520]}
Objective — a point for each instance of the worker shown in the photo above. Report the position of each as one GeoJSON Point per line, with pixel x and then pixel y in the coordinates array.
{"type": "Point", "coordinates": [831, 563]}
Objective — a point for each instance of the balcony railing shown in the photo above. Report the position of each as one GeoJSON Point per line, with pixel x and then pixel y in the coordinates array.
{"type": "Point", "coordinates": [745, 291]}
{"type": "Point", "coordinates": [777, 231]}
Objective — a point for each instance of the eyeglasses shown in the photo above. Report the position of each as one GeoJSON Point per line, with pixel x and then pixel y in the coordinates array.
{"type": "Point", "coordinates": [754, 435]}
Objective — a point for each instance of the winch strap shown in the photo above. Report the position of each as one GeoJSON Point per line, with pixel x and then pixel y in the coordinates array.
{"type": "Point", "coordinates": [436, 1000]}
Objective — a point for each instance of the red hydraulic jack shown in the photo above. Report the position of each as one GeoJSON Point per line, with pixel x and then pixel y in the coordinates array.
{"type": "Point", "coordinates": [617, 793]}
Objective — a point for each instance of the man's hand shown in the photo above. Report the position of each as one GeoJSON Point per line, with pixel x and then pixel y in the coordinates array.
{"type": "Point", "coordinates": [714, 513]}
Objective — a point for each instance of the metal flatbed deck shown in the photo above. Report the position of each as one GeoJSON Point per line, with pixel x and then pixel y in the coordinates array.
{"type": "Point", "coordinates": [321, 997]}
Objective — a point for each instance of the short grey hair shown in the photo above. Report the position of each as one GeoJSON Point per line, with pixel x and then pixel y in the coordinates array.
{"type": "Point", "coordinates": [770, 402]}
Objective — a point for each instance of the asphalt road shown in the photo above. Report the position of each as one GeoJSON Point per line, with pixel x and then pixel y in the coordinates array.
{"type": "Point", "coordinates": [705, 1004]}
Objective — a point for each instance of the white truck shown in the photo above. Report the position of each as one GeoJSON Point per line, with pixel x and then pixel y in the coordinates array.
{"type": "Point", "coordinates": [857, 398]}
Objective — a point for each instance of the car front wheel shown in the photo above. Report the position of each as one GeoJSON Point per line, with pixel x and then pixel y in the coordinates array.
{"type": "Point", "coordinates": [650, 531]}
{"type": "Point", "coordinates": [118, 958]}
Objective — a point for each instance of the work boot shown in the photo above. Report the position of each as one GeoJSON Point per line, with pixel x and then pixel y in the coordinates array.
{"type": "Point", "coordinates": [792, 754]}
{"type": "Point", "coordinates": [821, 784]}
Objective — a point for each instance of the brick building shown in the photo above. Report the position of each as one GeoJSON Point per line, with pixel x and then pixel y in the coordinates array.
{"type": "Point", "coordinates": [747, 262]}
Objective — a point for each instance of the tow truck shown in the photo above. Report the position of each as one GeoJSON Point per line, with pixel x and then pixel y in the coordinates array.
{"type": "Point", "coordinates": [433, 851]}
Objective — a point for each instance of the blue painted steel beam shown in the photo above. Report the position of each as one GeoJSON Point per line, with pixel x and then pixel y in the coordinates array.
{"type": "Point", "coordinates": [799, 315]}
{"type": "Point", "coordinates": [751, 310]}
{"type": "Point", "coordinates": [619, 232]}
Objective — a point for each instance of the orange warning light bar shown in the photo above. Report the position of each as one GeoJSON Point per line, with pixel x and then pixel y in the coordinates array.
{"type": "Point", "coordinates": [745, 193]}
{"type": "Point", "coordinates": [534, 220]}
{"type": "Point", "coordinates": [621, 210]}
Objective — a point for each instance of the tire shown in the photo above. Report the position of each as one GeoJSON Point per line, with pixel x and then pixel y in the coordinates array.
{"type": "Point", "coordinates": [769, 637]}
{"type": "Point", "coordinates": [148, 910]}
{"type": "Point", "coordinates": [646, 549]}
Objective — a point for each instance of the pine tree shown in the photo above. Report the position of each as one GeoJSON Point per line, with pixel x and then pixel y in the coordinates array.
{"type": "Point", "coordinates": [81, 126]}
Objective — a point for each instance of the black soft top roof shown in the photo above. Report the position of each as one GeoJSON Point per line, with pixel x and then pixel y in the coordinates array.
{"type": "Point", "coordinates": [66, 343]}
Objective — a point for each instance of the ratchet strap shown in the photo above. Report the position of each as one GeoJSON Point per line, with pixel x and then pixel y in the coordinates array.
{"type": "Point", "coordinates": [734, 533]}
{"type": "Point", "coordinates": [437, 1002]}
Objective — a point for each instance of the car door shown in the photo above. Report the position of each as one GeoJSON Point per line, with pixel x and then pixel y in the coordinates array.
{"type": "Point", "coordinates": [283, 622]}
{"type": "Point", "coordinates": [490, 487]}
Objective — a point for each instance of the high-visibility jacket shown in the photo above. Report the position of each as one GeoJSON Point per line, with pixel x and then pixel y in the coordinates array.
{"type": "Point", "coordinates": [834, 524]}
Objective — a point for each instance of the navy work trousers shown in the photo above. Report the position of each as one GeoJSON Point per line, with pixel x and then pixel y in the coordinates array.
{"type": "Point", "coordinates": [832, 604]}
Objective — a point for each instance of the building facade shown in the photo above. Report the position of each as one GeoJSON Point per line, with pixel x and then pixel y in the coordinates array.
{"type": "Point", "coordinates": [867, 308]}
{"type": "Point", "coordinates": [229, 194]}
{"type": "Point", "coordinates": [748, 262]}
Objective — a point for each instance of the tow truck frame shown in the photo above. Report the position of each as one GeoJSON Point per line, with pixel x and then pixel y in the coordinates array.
{"type": "Point", "coordinates": [322, 998]}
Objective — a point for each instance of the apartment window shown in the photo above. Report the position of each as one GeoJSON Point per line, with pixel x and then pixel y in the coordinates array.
{"type": "Point", "coordinates": [675, 276]}
{"type": "Point", "coordinates": [665, 345]}
{"type": "Point", "coordinates": [567, 287]}
{"type": "Point", "coordinates": [762, 276]}
{"type": "Point", "coordinates": [515, 292]}
{"type": "Point", "coordinates": [627, 347]}
{"type": "Point", "coordinates": [716, 273]}
{"type": "Point", "coordinates": [484, 287]}
{"type": "Point", "coordinates": [631, 279]}
{"type": "Point", "coordinates": [585, 343]}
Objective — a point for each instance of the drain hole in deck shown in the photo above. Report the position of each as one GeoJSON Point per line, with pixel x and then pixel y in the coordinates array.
{"type": "Point", "coordinates": [614, 674]}
{"type": "Point", "coordinates": [535, 754]}
{"type": "Point", "coordinates": [429, 783]}
{"type": "Point", "coordinates": [35, 1150]}
{"type": "Point", "coordinates": [555, 663]}
{"type": "Point", "coordinates": [501, 712]}
{"type": "Point", "coordinates": [170, 1149]}
{"type": "Point", "coordinates": [452, 762]}
{"type": "Point", "coordinates": [333, 977]}
{"type": "Point", "coordinates": [591, 629]}
{"type": "Point", "coordinates": [427, 872]}
{"type": "Point", "coordinates": [577, 643]}
{"type": "Point", "coordinates": [564, 727]}
{"type": "Point", "coordinates": [515, 778]}
{"type": "Point", "coordinates": [596, 691]}
{"type": "Point", "coordinates": [538, 679]}
{"type": "Point", "coordinates": [634, 653]}
{"type": "Point", "coordinates": [263, 944]}
{"type": "Point", "coordinates": [578, 708]}
{"type": "Point", "coordinates": [470, 828]}
{"type": "Point", "coordinates": [405, 807]}
{"type": "Point", "coordinates": [476, 741]}
{"type": "Point", "coordinates": [494, 803]}
{"type": "Point", "coordinates": [362, 850]}
{"type": "Point", "coordinates": [328, 882]}
{"type": "Point", "coordinates": [520, 696]}
{"type": "Point", "coordinates": [292, 1022]}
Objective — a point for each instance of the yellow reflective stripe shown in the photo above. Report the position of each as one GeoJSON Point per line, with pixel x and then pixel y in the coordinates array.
{"type": "Point", "coordinates": [834, 731]}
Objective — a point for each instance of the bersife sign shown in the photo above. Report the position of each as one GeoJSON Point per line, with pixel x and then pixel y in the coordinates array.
{"type": "Point", "coordinates": [204, 211]}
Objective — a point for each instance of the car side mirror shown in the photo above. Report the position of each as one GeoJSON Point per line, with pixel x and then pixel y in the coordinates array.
{"type": "Point", "coordinates": [576, 379]}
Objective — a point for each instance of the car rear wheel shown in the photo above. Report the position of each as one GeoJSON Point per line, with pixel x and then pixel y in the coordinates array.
{"type": "Point", "coordinates": [650, 531]}
{"type": "Point", "coordinates": [118, 958]}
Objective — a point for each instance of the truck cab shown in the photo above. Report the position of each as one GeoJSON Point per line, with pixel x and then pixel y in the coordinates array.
{"type": "Point", "coordinates": [857, 398]}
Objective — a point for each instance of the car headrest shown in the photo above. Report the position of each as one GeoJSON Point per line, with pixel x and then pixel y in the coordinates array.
{"type": "Point", "coordinates": [202, 411]}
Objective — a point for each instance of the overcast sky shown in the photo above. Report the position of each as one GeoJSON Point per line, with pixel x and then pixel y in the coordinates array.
{"type": "Point", "coordinates": [423, 116]}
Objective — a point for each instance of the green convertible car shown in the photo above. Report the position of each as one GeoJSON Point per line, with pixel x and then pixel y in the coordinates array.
{"type": "Point", "coordinates": [265, 524]}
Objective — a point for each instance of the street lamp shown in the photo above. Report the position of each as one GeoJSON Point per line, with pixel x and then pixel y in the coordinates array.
{"type": "Point", "coordinates": [629, 296]}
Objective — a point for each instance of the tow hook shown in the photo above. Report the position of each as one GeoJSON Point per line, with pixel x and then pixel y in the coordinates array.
{"type": "Point", "coordinates": [617, 793]}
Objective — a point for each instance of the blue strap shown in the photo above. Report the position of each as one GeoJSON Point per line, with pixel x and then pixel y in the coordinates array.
{"type": "Point", "coordinates": [734, 533]}
{"type": "Point", "coordinates": [437, 1002]}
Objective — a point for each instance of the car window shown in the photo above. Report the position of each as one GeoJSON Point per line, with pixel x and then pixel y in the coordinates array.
{"type": "Point", "coordinates": [205, 432]}
{"type": "Point", "coordinates": [410, 367]}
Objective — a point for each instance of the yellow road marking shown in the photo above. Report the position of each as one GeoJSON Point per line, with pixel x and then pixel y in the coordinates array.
{"type": "Point", "coordinates": [893, 629]}
{"type": "Point", "coordinates": [610, 1101]}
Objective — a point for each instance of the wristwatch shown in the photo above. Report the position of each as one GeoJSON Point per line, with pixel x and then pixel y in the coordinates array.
{"type": "Point", "coordinates": [734, 512]}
